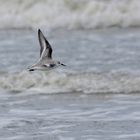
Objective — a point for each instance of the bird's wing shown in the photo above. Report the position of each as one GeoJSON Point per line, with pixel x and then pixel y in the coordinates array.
{"type": "Point", "coordinates": [45, 47]}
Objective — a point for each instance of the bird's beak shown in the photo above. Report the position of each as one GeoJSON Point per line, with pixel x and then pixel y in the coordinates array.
{"type": "Point", "coordinates": [63, 64]}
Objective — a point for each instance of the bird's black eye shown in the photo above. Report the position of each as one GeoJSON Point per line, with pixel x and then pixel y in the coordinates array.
{"type": "Point", "coordinates": [52, 65]}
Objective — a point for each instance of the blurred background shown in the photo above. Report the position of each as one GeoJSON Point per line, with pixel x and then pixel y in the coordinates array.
{"type": "Point", "coordinates": [94, 38]}
{"type": "Point", "coordinates": [97, 96]}
{"type": "Point", "coordinates": [69, 14]}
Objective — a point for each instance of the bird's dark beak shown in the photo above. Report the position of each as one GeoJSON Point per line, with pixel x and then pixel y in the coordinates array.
{"type": "Point", "coordinates": [31, 69]}
{"type": "Point", "coordinates": [63, 64]}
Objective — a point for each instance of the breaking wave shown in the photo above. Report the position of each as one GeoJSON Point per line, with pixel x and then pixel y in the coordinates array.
{"type": "Point", "coordinates": [71, 14]}
{"type": "Point", "coordinates": [56, 82]}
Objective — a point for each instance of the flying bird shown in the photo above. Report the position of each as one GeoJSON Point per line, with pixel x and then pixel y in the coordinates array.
{"type": "Point", "coordinates": [45, 61]}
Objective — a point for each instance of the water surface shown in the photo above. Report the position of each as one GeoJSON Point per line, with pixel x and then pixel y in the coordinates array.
{"type": "Point", "coordinates": [96, 97]}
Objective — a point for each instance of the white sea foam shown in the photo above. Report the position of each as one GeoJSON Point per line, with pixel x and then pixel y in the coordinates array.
{"type": "Point", "coordinates": [69, 13]}
{"type": "Point", "coordinates": [55, 82]}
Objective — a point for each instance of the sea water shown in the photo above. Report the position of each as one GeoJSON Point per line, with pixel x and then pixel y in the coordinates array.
{"type": "Point", "coordinates": [71, 14]}
{"type": "Point", "coordinates": [97, 61]}
{"type": "Point", "coordinates": [96, 96]}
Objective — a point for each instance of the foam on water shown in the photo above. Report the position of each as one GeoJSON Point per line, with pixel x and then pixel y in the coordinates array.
{"type": "Point", "coordinates": [69, 13]}
{"type": "Point", "coordinates": [55, 82]}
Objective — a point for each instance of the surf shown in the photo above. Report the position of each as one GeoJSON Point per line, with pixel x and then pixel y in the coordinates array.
{"type": "Point", "coordinates": [86, 14]}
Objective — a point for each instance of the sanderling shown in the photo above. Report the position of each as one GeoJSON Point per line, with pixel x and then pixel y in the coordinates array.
{"type": "Point", "coordinates": [45, 61]}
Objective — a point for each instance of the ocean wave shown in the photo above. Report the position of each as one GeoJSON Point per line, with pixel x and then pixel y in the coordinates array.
{"type": "Point", "coordinates": [56, 82]}
{"type": "Point", "coordinates": [71, 14]}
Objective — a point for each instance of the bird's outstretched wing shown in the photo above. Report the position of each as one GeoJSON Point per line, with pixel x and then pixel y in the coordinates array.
{"type": "Point", "coordinates": [45, 47]}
